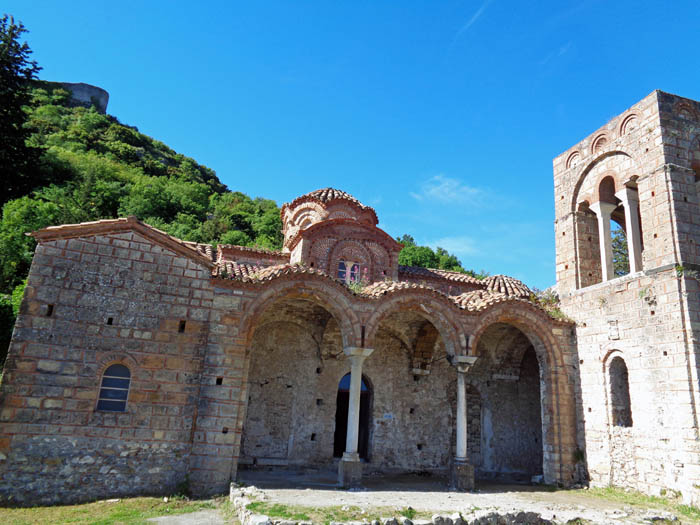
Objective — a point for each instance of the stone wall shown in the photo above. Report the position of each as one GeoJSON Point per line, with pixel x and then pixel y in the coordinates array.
{"type": "Point", "coordinates": [648, 319]}
{"type": "Point", "coordinates": [91, 302]}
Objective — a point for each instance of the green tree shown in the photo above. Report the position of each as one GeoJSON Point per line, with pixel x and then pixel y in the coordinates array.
{"type": "Point", "coordinates": [414, 255]}
{"type": "Point", "coordinates": [18, 169]}
{"type": "Point", "coordinates": [621, 260]}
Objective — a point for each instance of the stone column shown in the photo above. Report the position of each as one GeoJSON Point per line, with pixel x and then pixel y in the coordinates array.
{"type": "Point", "coordinates": [462, 470]}
{"type": "Point", "coordinates": [603, 210]}
{"type": "Point", "coordinates": [630, 201]}
{"type": "Point", "coordinates": [350, 467]}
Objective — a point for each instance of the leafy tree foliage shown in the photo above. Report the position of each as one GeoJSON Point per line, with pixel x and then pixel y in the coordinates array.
{"type": "Point", "coordinates": [414, 255]}
{"type": "Point", "coordinates": [621, 261]}
{"type": "Point", "coordinates": [17, 160]}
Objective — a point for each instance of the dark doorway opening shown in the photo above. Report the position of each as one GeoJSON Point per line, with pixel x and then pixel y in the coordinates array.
{"type": "Point", "coordinates": [341, 418]}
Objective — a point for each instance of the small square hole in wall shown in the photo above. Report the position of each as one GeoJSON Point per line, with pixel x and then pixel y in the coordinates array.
{"type": "Point", "coordinates": [416, 377]}
{"type": "Point", "coordinates": [566, 266]}
{"type": "Point", "coordinates": [318, 370]}
{"type": "Point", "coordinates": [319, 402]}
{"type": "Point", "coordinates": [313, 437]}
{"type": "Point", "coordinates": [110, 320]}
{"type": "Point", "coordinates": [224, 430]}
{"type": "Point", "coordinates": [419, 446]}
{"type": "Point", "coordinates": [652, 312]}
{"type": "Point", "coordinates": [181, 327]}
{"type": "Point", "coordinates": [655, 236]}
{"type": "Point", "coordinates": [652, 193]}
{"type": "Point", "coordinates": [219, 380]}
{"type": "Point", "coordinates": [312, 264]}
{"type": "Point", "coordinates": [411, 410]}
{"type": "Point", "coordinates": [685, 199]}
{"type": "Point", "coordinates": [580, 362]}
{"type": "Point", "coordinates": [589, 409]}
{"type": "Point", "coordinates": [49, 310]}
{"type": "Point", "coordinates": [563, 234]}
{"type": "Point", "coordinates": [665, 352]}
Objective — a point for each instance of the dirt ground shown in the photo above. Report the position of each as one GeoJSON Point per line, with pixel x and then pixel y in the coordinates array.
{"type": "Point", "coordinates": [431, 494]}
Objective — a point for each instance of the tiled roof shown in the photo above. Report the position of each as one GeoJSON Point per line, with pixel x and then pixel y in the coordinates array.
{"type": "Point", "coordinates": [507, 285]}
{"type": "Point", "coordinates": [250, 272]}
{"type": "Point", "coordinates": [202, 249]}
{"type": "Point", "coordinates": [246, 250]}
{"type": "Point", "coordinates": [383, 287]}
{"type": "Point", "coordinates": [479, 299]}
{"type": "Point", "coordinates": [433, 273]}
{"type": "Point", "coordinates": [326, 195]}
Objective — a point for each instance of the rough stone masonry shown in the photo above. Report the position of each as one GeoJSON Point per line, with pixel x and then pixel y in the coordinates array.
{"type": "Point", "coordinates": [141, 363]}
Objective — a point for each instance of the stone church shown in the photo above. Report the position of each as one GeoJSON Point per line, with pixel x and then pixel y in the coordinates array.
{"type": "Point", "coordinates": [140, 363]}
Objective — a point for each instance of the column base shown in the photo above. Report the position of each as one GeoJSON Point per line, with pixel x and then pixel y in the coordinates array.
{"type": "Point", "coordinates": [349, 472]}
{"type": "Point", "coordinates": [462, 476]}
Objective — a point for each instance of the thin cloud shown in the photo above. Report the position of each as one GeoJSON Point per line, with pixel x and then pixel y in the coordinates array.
{"type": "Point", "coordinates": [458, 245]}
{"type": "Point", "coordinates": [471, 21]}
{"type": "Point", "coordinates": [448, 190]}
{"type": "Point", "coordinates": [557, 53]}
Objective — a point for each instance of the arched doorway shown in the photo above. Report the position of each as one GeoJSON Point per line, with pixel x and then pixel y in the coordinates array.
{"type": "Point", "coordinates": [508, 373]}
{"type": "Point", "coordinates": [341, 417]}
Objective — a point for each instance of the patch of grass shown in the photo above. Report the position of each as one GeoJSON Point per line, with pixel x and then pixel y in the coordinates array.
{"type": "Point", "coordinates": [277, 510]}
{"type": "Point", "coordinates": [324, 514]}
{"type": "Point", "coordinates": [125, 511]}
{"type": "Point", "coordinates": [632, 497]}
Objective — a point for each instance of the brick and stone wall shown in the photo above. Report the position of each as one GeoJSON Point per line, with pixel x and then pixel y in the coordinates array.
{"type": "Point", "coordinates": [91, 302]}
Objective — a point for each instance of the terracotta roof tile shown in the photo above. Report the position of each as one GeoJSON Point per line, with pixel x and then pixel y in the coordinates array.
{"type": "Point", "coordinates": [254, 273]}
{"type": "Point", "coordinates": [507, 285]}
{"type": "Point", "coordinates": [255, 250]}
{"type": "Point", "coordinates": [434, 273]}
{"type": "Point", "coordinates": [202, 249]}
{"type": "Point", "coordinates": [327, 195]}
{"type": "Point", "coordinates": [477, 300]}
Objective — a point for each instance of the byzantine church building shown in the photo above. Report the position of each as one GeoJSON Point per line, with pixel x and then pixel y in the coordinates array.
{"type": "Point", "coordinates": [140, 362]}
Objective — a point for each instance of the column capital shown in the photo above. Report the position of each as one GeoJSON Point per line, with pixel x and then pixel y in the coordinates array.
{"type": "Point", "coordinates": [603, 209]}
{"type": "Point", "coordinates": [356, 351]}
{"type": "Point", "coordinates": [627, 194]}
{"type": "Point", "coordinates": [464, 362]}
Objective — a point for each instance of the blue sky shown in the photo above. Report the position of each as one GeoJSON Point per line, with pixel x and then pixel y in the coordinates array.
{"type": "Point", "coordinates": [444, 116]}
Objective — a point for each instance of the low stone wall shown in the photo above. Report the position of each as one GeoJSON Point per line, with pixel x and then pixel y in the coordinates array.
{"type": "Point", "coordinates": [87, 469]}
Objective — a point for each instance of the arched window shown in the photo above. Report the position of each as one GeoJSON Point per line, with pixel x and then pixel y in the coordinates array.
{"type": "Point", "coordinates": [114, 390]}
{"type": "Point", "coordinates": [348, 272]}
{"type": "Point", "coordinates": [620, 393]}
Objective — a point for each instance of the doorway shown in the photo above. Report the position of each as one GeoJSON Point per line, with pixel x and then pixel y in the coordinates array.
{"type": "Point", "coordinates": [341, 418]}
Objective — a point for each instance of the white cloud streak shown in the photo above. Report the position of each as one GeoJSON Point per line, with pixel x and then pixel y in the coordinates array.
{"type": "Point", "coordinates": [471, 21]}
{"type": "Point", "coordinates": [449, 191]}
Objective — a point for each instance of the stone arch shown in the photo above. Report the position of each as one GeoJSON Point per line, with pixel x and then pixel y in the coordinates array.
{"type": "Point", "coordinates": [628, 123]}
{"type": "Point", "coordinates": [556, 390]}
{"type": "Point", "coordinates": [352, 250]}
{"type": "Point", "coordinates": [321, 290]}
{"type": "Point", "coordinates": [573, 159]}
{"type": "Point", "coordinates": [433, 307]}
{"type": "Point", "coordinates": [586, 170]}
{"type": "Point", "coordinates": [600, 142]}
